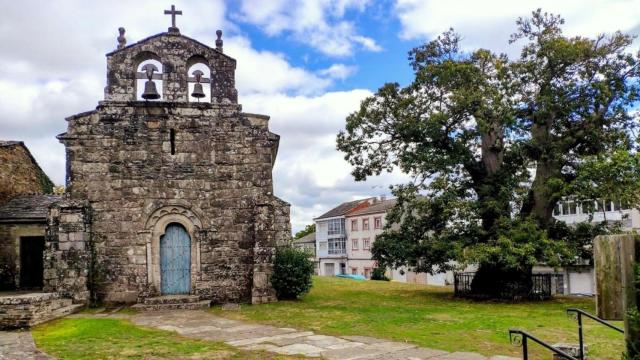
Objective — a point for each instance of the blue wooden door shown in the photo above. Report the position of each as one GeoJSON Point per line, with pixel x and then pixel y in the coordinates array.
{"type": "Point", "coordinates": [175, 260]}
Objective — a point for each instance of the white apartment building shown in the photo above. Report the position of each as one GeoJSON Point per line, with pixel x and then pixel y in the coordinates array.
{"type": "Point", "coordinates": [580, 279]}
{"type": "Point", "coordinates": [572, 212]}
{"type": "Point", "coordinates": [331, 237]}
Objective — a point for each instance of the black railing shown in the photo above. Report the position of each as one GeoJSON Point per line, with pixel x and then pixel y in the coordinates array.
{"type": "Point", "coordinates": [540, 289]}
{"type": "Point", "coordinates": [521, 338]}
{"type": "Point", "coordinates": [462, 283]}
{"type": "Point", "coordinates": [578, 314]}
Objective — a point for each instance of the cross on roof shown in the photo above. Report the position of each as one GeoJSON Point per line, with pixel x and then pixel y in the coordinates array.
{"type": "Point", "coordinates": [173, 12]}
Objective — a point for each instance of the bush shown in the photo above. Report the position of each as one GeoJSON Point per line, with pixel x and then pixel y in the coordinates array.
{"type": "Point", "coordinates": [291, 273]}
{"type": "Point", "coordinates": [378, 274]}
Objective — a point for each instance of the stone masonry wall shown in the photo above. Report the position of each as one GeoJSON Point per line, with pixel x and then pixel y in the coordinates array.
{"type": "Point", "coordinates": [20, 174]}
{"type": "Point", "coordinates": [67, 254]}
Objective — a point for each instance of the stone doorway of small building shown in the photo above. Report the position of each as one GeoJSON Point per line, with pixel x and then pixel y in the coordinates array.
{"type": "Point", "coordinates": [31, 262]}
{"type": "Point", "coordinates": [175, 260]}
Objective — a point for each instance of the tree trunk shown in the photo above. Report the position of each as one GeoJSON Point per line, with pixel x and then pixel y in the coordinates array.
{"type": "Point", "coordinates": [495, 281]}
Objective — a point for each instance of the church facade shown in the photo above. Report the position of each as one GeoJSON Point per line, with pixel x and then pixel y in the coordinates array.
{"type": "Point", "coordinates": [169, 184]}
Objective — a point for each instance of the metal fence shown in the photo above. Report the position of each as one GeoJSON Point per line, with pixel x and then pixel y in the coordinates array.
{"type": "Point", "coordinates": [541, 288]}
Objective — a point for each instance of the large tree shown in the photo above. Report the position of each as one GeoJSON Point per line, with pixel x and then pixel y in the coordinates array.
{"type": "Point", "coordinates": [494, 144]}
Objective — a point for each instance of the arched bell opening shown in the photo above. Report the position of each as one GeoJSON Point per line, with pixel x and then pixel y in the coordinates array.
{"type": "Point", "coordinates": [149, 83]}
{"type": "Point", "coordinates": [199, 79]}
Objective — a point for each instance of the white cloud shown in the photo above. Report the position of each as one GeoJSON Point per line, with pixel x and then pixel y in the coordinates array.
{"type": "Point", "coordinates": [489, 23]}
{"type": "Point", "coordinates": [309, 172]}
{"type": "Point", "coordinates": [318, 23]}
{"type": "Point", "coordinates": [267, 72]}
{"type": "Point", "coordinates": [339, 71]}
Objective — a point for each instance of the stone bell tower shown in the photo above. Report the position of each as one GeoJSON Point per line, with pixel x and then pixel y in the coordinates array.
{"type": "Point", "coordinates": [174, 180]}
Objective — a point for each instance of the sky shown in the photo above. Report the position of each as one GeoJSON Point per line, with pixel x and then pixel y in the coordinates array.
{"type": "Point", "coordinates": [307, 64]}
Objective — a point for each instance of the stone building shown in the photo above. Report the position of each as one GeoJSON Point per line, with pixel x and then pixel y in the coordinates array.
{"type": "Point", "coordinates": [169, 184]}
{"type": "Point", "coordinates": [20, 173]}
{"type": "Point", "coordinates": [25, 194]}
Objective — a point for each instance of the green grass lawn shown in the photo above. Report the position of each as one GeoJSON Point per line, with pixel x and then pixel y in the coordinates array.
{"type": "Point", "coordinates": [84, 338]}
{"type": "Point", "coordinates": [430, 317]}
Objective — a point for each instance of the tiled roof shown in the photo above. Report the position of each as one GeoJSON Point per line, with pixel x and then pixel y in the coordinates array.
{"type": "Point", "coordinates": [309, 238]}
{"type": "Point", "coordinates": [27, 207]}
{"type": "Point", "coordinates": [379, 207]}
{"type": "Point", "coordinates": [341, 209]}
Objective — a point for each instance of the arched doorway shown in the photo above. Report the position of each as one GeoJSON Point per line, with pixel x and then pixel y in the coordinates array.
{"type": "Point", "coordinates": [175, 260]}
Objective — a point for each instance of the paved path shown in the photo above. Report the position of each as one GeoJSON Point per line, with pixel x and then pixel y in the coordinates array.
{"type": "Point", "coordinates": [18, 345]}
{"type": "Point", "coordinates": [249, 336]}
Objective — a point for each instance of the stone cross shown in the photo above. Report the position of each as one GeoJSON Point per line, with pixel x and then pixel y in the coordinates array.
{"type": "Point", "coordinates": [173, 12]}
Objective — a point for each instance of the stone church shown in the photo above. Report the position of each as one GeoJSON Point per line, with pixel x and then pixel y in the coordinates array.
{"type": "Point", "coordinates": [169, 184]}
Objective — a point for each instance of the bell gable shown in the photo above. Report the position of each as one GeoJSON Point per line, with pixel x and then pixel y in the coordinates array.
{"type": "Point", "coordinates": [181, 62]}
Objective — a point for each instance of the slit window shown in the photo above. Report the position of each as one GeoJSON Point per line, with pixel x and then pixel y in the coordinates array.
{"type": "Point", "coordinates": [172, 140]}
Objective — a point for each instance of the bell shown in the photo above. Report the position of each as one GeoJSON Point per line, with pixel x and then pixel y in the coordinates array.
{"type": "Point", "coordinates": [150, 92]}
{"type": "Point", "coordinates": [198, 92]}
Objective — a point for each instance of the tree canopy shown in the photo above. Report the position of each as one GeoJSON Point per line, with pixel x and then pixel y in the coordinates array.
{"type": "Point", "coordinates": [493, 144]}
{"type": "Point", "coordinates": [311, 228]}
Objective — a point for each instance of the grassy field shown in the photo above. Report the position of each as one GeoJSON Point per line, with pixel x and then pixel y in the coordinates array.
{"type": "Point", "coordinates": [83, 338]}
{"type": "Point", "coordinates": [431, 317]}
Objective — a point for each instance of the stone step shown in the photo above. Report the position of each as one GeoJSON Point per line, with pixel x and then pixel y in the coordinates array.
{"type": "Point", "coordinates": [200, 305]}
{"type": "Point", "coordinates": [58, 313]}
{"type": "Point", "coordinates": [172, 299]}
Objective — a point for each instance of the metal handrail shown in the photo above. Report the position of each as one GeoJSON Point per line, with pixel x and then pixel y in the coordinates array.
{"type": "Point", "coordinates": [519, 338]}
{"type": "Point", "coordinates": [577, 314]}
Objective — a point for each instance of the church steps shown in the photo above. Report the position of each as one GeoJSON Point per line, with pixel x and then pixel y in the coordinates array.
{"type": "Point", "coordinates": [172, 299]}
{"type": "Point", "coordinates": [200, 305]}
{"type": "Point", "coordinates": [26, 310]}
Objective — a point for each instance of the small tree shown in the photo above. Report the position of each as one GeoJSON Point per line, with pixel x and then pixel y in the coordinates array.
{"type": "Point", "coordinates": [291, 273]}
{"type": "Point", "coordinates": [306, 231]}
{"type": "Point", "coordinates": [379, 274]}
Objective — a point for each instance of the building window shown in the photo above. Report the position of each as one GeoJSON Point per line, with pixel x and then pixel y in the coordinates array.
{"type": "Point", "coordinates": [367, 273]}
{"type": "Point", "coordinates": [336, 227]}
{"type": "Point", "coordinates": [366, 244]}
{"type": "Point", "coordinates": [337, 246]}
{"type": "Point", "coordinates": [587, 207]}
{"type": "Point", "coordinates": [354, 225]}
{"type": "Point", "coordinates": [365, 224]}
{"type": "Point", "coordinates": [354, 271]}
{"type": "Point", "coordinates": [354, 244]}
{"type": "Point", "coordinates": [377, 222]}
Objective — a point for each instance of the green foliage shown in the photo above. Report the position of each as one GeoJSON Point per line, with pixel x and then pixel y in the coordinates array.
{"type": "Point", "coordinates": [633, 319]}
{"type": "Point", "coordinates": [379, 274]}
{"type": "Point", "coordinates": [519, 246]}
{"type": "Point", "coordinates": [470, 128]}
{"type": "Point", "coordinates": [46, 185]}
{"type": "Point", "coordinates": [306, 231]}
{"type": "Point", "coordinates": [291, 273]}
{"type": "Point", "coordinates": [615, 174]}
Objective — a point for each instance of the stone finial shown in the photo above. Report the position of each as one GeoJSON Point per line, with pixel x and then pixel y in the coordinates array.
{"type": "Point", "coordinates": [219, 40]}
{"type": "Point", "coordinates": [122, 41]}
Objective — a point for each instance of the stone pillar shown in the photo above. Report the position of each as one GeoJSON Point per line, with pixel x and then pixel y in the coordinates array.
{"type": "Point", "coordinates": [67, 254]}
{"type": "Point", "coordinates": [614, 258]}
{"type": "Point", "coordinates": [263, 255]}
